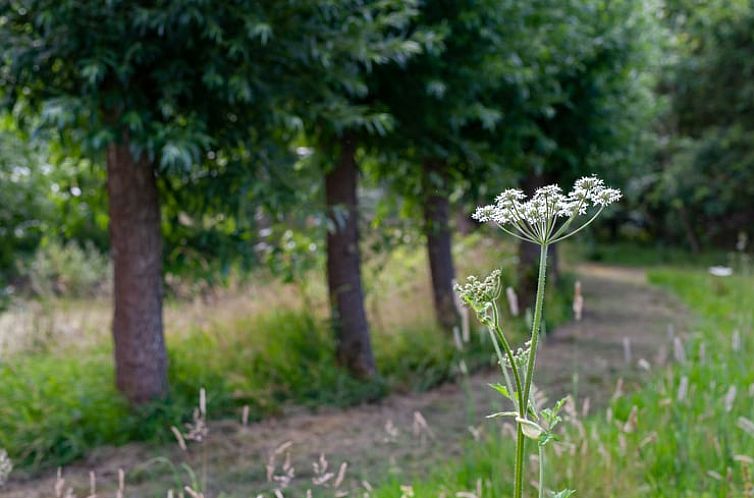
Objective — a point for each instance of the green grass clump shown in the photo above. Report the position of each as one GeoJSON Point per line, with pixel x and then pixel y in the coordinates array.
{"type": "Point", "coordinates": [57, 407]}
{"type": "Point", "coordinates": [264, 361]}
{"type": "Point", "coordinates": [673, 438]}
{"type": "Point", "coordinates": [654, 254]}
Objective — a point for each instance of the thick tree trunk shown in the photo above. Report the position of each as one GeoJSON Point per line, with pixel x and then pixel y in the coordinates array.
{"type": "Point", "coordinates": [439, 244]}
{"type": "Point", "coordinates": [136, 247]}
{"type": "Point", "coordinates": [354, 348]}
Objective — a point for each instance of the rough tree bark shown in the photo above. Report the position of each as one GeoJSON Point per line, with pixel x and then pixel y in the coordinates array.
{"type": "Point", "coordinates": [136, 249]}
{"type": "Point", "coordinates": [354, 348]}
{"type": "Point", "coordinates": [439, 243]}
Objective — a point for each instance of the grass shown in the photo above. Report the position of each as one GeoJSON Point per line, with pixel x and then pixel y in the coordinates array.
{"type": "Point", "coordinates": [650, 255]}
{"type": "Point", "coordinates": [60, 402]}
{"type": "Point", "coordinates": [686, 437]}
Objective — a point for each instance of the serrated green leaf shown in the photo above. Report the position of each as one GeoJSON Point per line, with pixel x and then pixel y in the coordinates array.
{"type": "Point", "coordinates": [502, 390]}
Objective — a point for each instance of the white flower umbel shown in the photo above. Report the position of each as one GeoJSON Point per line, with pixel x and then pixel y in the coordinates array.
{"type": "Point", "coordinates": [549, 216]}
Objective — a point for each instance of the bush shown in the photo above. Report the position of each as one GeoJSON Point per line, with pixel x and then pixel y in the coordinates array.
{"type": "Point", "coordinates": [68, 269]}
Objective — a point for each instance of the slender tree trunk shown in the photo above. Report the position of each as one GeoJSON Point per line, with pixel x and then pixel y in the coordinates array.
{"type": "Point", "coordinates": [528, 263]}
{"type": "Point", "coordinates": [528, 253]}
{"type": "Point", "coordinates": [464, 224]}
{"type": "Point", "coordinates": [136, 247]}
{"type": "Point", "coordinates": [354, 348]}
{"type": "Point", "coordinates": [439, 243]}
{"type": "Point", "coordinates": [688, 227]}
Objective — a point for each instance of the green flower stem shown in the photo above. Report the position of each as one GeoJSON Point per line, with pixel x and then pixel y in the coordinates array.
{"type": "Point", "coordinates": [508, 353]}
{"type": "Point", "coordinates": [518, 491]}
{"type": "Point", "coordinates": [518, 488]}
{"type": "Point", "coordinates": [541, 471]}
{"type": "Point", "coordinates": [501, 361]}
{"type": "Point", "coordinates": [538, 305]}
{"type": "Point", "coordinates": [520, 440]}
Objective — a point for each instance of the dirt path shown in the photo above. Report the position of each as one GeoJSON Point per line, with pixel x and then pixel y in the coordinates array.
{"type": "Point", "coordinates": [390, 438]}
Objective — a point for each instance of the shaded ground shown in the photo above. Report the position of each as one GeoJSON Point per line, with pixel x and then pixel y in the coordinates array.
{"type": "Point", "coordinates": [391, 438]}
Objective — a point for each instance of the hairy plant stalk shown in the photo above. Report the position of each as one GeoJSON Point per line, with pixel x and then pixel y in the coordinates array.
{"type": "Point", "coordinates": [518, 489]}
{"type": "Point", "coordinates": [537, 322]}
{"type": "Point", "coordinates": [508, 352]}
{"type": "Point", "coordinates": [524, 397]}
{"type": "Point", "coordinates": [541, 471]}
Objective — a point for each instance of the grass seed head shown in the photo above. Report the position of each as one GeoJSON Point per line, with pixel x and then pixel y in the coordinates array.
{"type": "Point", "coordinates": [6, 466]}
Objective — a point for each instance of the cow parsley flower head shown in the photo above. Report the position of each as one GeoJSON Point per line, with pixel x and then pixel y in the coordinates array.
{"type": "Point", "coordinates": [549, 215]}
{"type": "Point", "coordinates": [484, 214]}
{"type": "Point", "coordinates": [508, 197]}
{"type": "Point", "coordinates": [606, 196]}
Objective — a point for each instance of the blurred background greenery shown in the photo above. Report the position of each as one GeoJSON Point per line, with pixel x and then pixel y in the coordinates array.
{"type": "Point", "coordinates": [305, 156]}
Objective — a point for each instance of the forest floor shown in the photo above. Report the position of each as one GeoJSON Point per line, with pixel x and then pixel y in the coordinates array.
{"type": "Point", "coordinates": [404, 435]}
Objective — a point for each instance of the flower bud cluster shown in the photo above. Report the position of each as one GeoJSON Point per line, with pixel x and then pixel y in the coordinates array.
{"type": "Point", "coordinates": [478, 294]}
{"type": "Point", "coordinates": [520, 356]}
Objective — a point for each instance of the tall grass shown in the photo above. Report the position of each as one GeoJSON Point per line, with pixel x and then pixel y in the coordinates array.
{"type": "Point", "coordinates": [59, 402]}
{"type": "Point", "coordinates": [686, 433]}
{"type": "Point", "coordinates": [56, 407]}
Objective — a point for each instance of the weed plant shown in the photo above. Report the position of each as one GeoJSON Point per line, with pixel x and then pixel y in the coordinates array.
{"type": "Point", "coordinates": [688, 432]}
{"type": "Point", "coordinates": [547, 218]}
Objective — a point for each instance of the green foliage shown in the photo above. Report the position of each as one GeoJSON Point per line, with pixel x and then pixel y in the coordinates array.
{"type": "Point", "coordinates": [509, 89]}
{"type": "Point", "coordinates": [262, 362]}
{"type": "Point", "coordinates": [650, 254]}
{"type": "Point", "coordinates": [57, 407]}
{"type": "Point", "coordinates": [291, 357]}
{"type": "Point", "coordinates": [24, 189]}
{"type": "Point", "coordinates": [214, 94]}
{"type": "Point", "coordinates": [592, 97]}
{"type": "Point", "coordinates": [703, 172]}
{"type": "Point", "coordinates": [709, 180]}
{"type": "Point", "coordinates": [48, 202]}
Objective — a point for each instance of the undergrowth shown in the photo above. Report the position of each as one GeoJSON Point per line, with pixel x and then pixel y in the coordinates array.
{"type": "Point", "coordinates": [59, 404]}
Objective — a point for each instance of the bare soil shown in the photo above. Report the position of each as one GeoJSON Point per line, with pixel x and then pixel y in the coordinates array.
{"type": "Point", "coordinates": [389, 439]}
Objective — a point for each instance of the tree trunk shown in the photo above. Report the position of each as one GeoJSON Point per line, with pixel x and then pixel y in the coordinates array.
{"type": "Point", "coordinates": [688, 227]}
{"type": "Point", "coordinates": [136, 249]}
{"type": "Point", "coordinates": [464, 223]}
{"type": "Point", "coordinates": [528, 269]}
{"type": "Point", "coordinates": [354, 348]}
{"type": "Point", "coordinates": [439, 244]}
{"type": "Point", "coordinates": [528, 253]}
